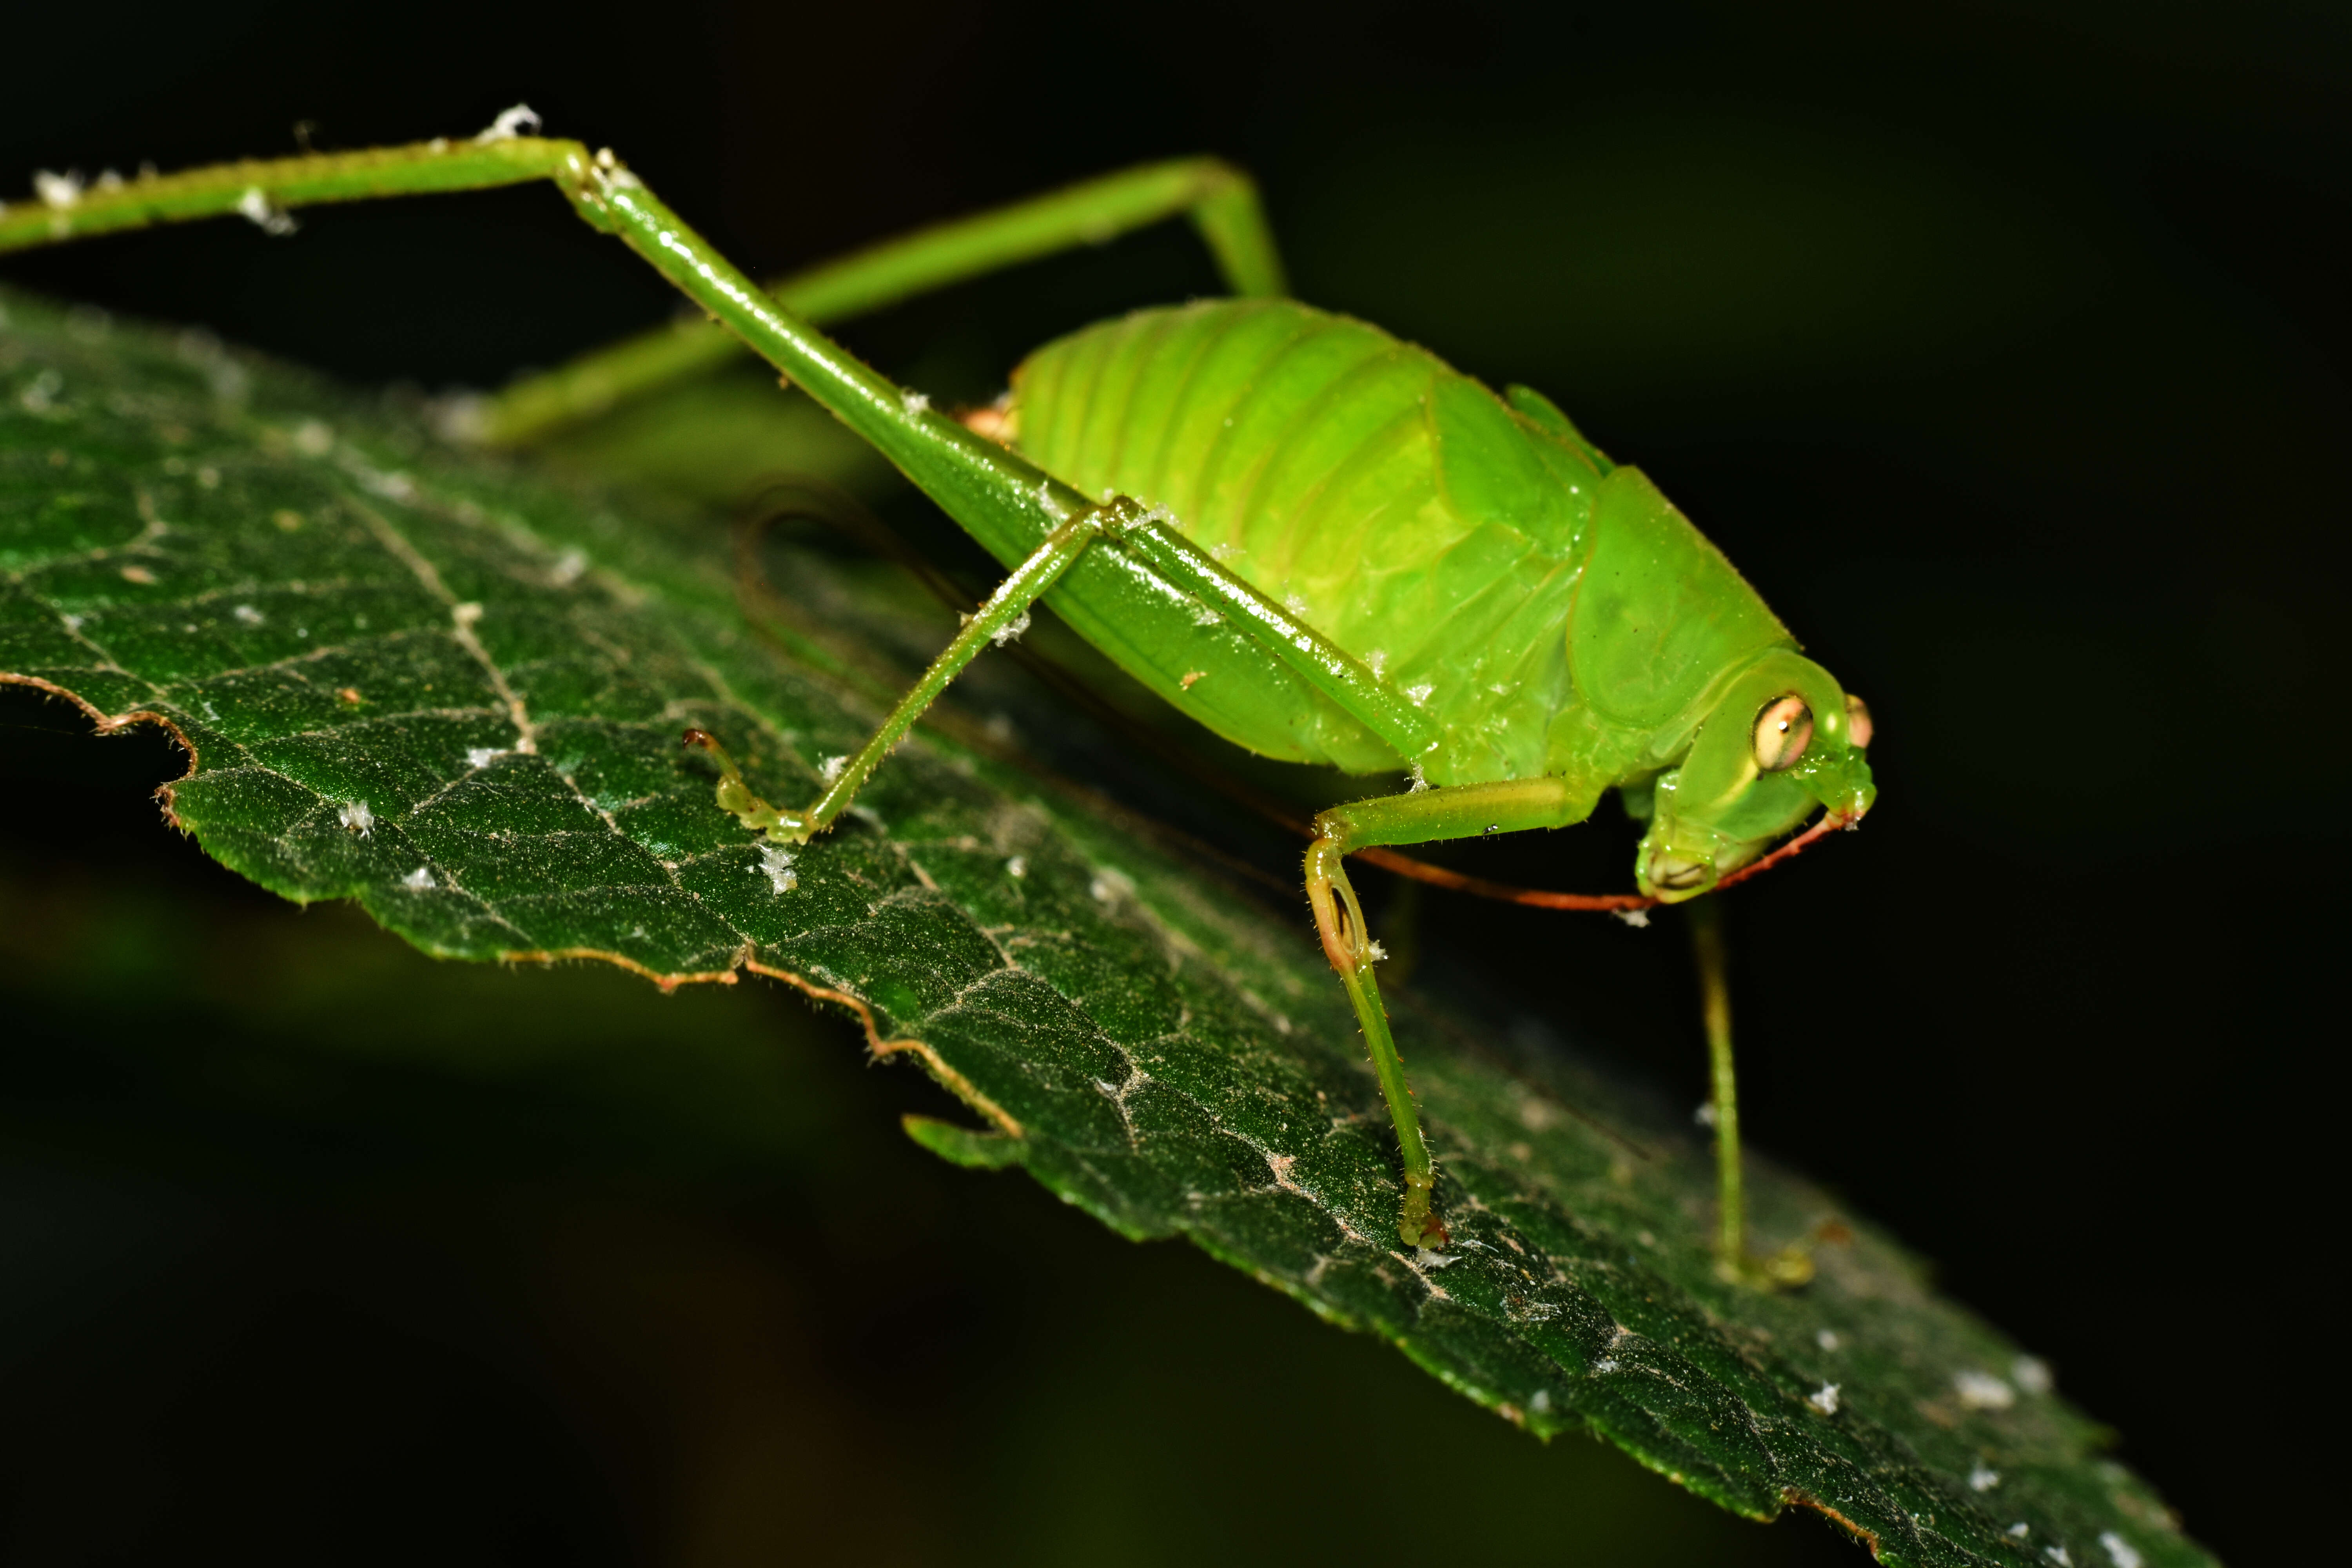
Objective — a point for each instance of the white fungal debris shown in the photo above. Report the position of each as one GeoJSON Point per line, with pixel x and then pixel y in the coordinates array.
{"type": "Point", "coordinates": [509, 125]}
{"type": "Point", "coordinates": [1011, 631]}
{"type": "Point", "coordinates": [1705, 1115]}
{"type": "Point", "coordinates": [1827, 1339]}
{"type": "Point", "coordinates": [2031, 1373]}
{"type": "Point", "coordinates": [1428, 1260]}
{"type": "Point", "coordinates": [58, 192]}
{"type": "Point", "coordinates": [1375, 951]}
{"type": "Point", "coordinates": [1825, 1398]}
{"type": "Point", "coordinates": [1638, 918]}
{"type": "Point", "coordinates": [1539, 1401]}
{"type": "Point", "coordinates": [1983, 1477]}
{"type": "Point", "coordinates": [256, 208]}
{"type": "Point", "coordinates": [356, 816]}
{"type": "Point", "coordinates": [913, 401]}
{"type": "Point", "coordinates": [1017, 866]}
{"type": "Point", "coordinates": [1377, 661]}
{"type": "Point", "coordinates": [2119, 1551]}
{"type": "Point", "coordinates": [2020, 1530]}
{"type": "Point", "coordinates": [1295, 604]}
{"type": "Point", "coordinates": [1606, 1364]}
{"type": "Point", "coordinates": [482, 756]}
{"type": "Point", "coordinates": [829, 769]}
{"type": "Point", "coordinates": [247, 615]}
{"type": "Point", "coordinates": [1982, 1391]}
{"type": "Point", "coordinates": [419, 880]}
{"type": "Point", "coordinates": [1420, 780]}
{"type": "Point", "coordinates": [1420, 694]}
{"type": "Point", "coordinates": [776, 864]}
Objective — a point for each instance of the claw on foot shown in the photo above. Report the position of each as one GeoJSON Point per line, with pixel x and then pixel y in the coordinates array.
{"type": "Point", "coordinates": [735, 796]}
{"type": "Point", "coordinates": [1786, 1270]}
{"type": "Point", "coordinates": [1415, 1224]}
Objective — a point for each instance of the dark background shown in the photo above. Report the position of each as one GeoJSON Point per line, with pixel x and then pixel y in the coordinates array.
{"type": "Point", "coordinates": [2004, 348]}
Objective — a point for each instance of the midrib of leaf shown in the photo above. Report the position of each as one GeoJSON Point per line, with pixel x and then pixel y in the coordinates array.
{"type": "Point", "coordinates": [1172, 1058]}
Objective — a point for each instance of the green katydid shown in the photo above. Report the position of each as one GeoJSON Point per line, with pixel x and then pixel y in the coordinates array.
{"type": "Point", "coordinates": [1322, 543]}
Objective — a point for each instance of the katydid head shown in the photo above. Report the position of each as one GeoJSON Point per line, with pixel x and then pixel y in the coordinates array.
{"type": "Point", "coordinates": [1780, 739]}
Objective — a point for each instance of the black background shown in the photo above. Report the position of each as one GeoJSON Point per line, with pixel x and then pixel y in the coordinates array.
{"type": "Point", "coordinates": [2004, 348]}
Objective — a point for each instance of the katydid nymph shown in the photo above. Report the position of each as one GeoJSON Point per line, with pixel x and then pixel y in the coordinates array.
{"type": "Point", "coordinates": [1320, 541]}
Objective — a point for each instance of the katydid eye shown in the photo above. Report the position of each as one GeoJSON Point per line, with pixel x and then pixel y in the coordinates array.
{"type": "Point", "coordinates": [1783, 731]}
{"type": "Point", "coordinates": [1857, 721]}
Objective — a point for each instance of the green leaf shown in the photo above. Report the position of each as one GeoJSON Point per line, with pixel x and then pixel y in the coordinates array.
{"type": "Point", "coordinates": [453, 691]}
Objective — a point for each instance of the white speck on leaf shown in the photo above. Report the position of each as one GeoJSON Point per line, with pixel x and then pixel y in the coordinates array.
{"type": "Point", "coordinates": [1420, 694]}
{"type": "Point", "coordinates": [246, 614]}
{"type": "Point", "coordinates": [1017, 866]}
{"type": "Point", "coordinates": [1982, 1391]}
{"type": "Point", "coordinates": [1825, 1398]}
{"type": "Point", "coordinates": [40, 397]}
{"type": "Point", "coordinates": [1420, 781]}
{"type": "Point", "coordinates": [1606, 1364]}
{"type": "Point", "coordinates": [1638, 918]}
{"type": "Point", "coordinates": [419, 880]}
{"type": "Point", "coordinates": [1295, 604]}
{"type": "Point", "coordinates": [356, 816]}
{"type": "Point", "coordinates": [1429, 1259]}
{"type": "Point", "coordinates": [2020, 1530]}
{"type": "Point", "coordinates": [1705, 1115]}
{"type": "Point", "coordinates": [1983, 1477]}
{"type": "Point", "coordinates": [312, 438]}
{"type": "Point", "coordinates": [2058, 1554]}
{"type": "Point", "coordinates": [1010, 631]}
{"type": "Point", "coordinates": [1827, 1339]}
{"type": "Point", "coordinates": [255, 207]}
{"type": "Point", "coordinates": [1540, 1402]}
{"type": "Point", "coordinates": [1109, 887]}
{"type": "Point", "coordinates": [59, 192]}
{"type": "Point", "coordinates": [509, 125]}
{"type": "Point", "coordinates": [482, 756]}
{"type": "Point", "coordinates": [829, 769]}
{"type": "Point", "coordinates": [2119, 1551]}
{"type": "Point", "coordinates": [392, 487]}
{"type": "Point", "coordinates": [776, 863]}
{"type": "Point", "coordinates": [568, 567]}
{"type": "Point", "coordinates": [913, 401]}
{"type": "Point", "coordinates": [2031, 1373]}
{"type": "Point", "coordinates": [1377, 661]}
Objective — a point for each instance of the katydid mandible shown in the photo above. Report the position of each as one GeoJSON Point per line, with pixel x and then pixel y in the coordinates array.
{"type": "Point", "coordinates": [1322, 543]}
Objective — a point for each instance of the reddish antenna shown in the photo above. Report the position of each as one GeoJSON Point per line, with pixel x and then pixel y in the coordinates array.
{"type": "Point", "coordinates": [1539, 897]}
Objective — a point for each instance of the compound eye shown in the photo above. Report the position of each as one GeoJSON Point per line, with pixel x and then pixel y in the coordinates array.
{"type": "Point", "coordinates": [1783, 731]}
{"type": "Point", "coordinates": [1857, 721]}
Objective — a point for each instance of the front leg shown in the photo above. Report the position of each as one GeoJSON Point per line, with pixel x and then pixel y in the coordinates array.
{"type": "Point", "coordinates": [999, 620]}
{"type": "Point", "coordinates": [1466, 810]}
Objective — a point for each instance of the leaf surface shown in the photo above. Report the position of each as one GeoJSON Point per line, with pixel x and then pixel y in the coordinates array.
{"type": "Point", "coordinates": [452, 691]}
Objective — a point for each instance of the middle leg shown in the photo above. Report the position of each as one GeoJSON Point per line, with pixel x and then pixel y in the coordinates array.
{"type": "Point", "coordinates": [1421, 816]}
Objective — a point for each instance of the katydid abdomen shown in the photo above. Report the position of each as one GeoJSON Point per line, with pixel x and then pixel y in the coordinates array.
{"type": "Point", "coordinates": [1403, 509]}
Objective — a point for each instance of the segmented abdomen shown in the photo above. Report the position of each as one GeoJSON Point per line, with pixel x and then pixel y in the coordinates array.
{"type": "Point", "coordinates": [1324, 462]}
